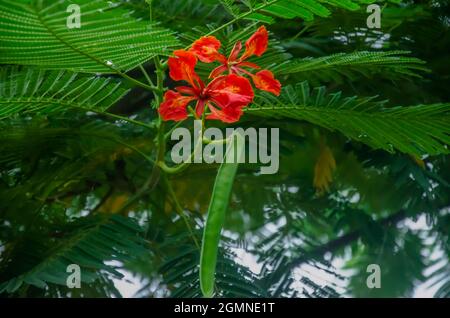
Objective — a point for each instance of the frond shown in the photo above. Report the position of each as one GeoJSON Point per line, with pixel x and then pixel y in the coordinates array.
{"type": "Point", "coordinates": [391, 64]}
{"type": "Point", "coordinates": [265, 11]}
{"type": "Point", "coordinates": [88, 242]}
{"type": "Point", "coordinates": [37, 91]}
{"type": "Point", "coordinates": [23, 141]}
{"type": "Point", "coordinates": [181, 274]}
{"type": "Point", "coordinates": [414, 130]}
{"type": "Point", "coordinates": [176, 14]}
{"type": "Point", "coordinates": [37, 34]}
{"type": "Point", "coordinates": [439, 276]}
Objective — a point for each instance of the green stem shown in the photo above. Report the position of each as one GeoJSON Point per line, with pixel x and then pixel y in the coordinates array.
{"type": "Point", "coordinates": [193, 113]}
{"type": "Point", "coordinates": [180, 210]}
{"type": "Point", "coordinates": [305, 28]}
{"type": "Point", "coordinates": [158, 99]}
{"type": "Point", "coordinates": [183, 166]}
{"type": "Point", "coordinates": [135, 81]}
{"type": "Point", "coordinates": [150, 8]}
{"type": "Point", "coordinates": [169, 133]}
{"type": "Point", "coordinates": [208, 141]}
{"type": "Point", "coordinates": [147, 77]}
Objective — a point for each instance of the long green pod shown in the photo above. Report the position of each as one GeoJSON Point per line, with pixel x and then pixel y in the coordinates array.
{"type": "Point", "coordinates": [216, 214]}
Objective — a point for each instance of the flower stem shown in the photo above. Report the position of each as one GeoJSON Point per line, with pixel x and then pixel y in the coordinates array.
{"type": "Point", "coordinates": [149, 80]}
{"type": "Point", "coordinates": [179, 209]}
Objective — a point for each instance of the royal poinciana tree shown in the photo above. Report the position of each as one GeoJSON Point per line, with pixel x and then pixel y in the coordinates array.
{"type": "Point", "coordinates": [87, 178]}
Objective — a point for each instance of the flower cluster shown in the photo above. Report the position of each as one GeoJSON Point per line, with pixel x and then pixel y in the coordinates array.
{"type": "Point", "coordinates": [225, 95]}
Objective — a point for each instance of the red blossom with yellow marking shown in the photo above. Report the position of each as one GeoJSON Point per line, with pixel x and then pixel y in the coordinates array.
{"type": "Point", "coordinates": [224, 96]}
{"type": "Point", "coordinates": [207, 50]}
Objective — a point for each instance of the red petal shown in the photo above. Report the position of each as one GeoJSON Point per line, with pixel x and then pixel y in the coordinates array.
{"type": "Point", "coordinates": [187, 90]}
{"type": "Point", "coordinates": [235, 52]}
{"type": "Point", "coordinates": [182, 68]}
{"type": "Point", "coordinates": [174, 106]}
{"type": "Point", "coordinates": [229, 94]}
{"type": "Point", "coordinates": [265, 81]}
{"type": "Point", "coordinates": [207, 49]}
{"type": "Point", "coordinates": [230, 90]}
{"type": "Point", "coordinates": [227, 114]}
{"type": "Point", "coordinates": [249, 65]}
{"type": "Point", "coordinates": [218, 71]}
{"type": "Point", "coordinates": [199, 108]}
{"type": "Point", "coordinates": [257, 43]}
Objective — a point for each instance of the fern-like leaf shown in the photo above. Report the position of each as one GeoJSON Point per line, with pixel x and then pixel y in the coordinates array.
{"type": "Point", "coordinates": [422, 129]}
{"type": "Point", "coordinates": [351, 65]}
{"type": "Point", "coordinates": [108, 41]}
{"type": "Point", "coordinates": [34, 90]}
{"type": "Point", "coordinates": [92, 242]}
{"type": "Point", "coordinates": [181, 273]}
{"type": "Point", "coordinates": [264, 11]}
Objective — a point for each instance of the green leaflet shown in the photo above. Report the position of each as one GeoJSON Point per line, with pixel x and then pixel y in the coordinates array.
{"type": "Point", "coordinates": [34, 90]}
{"type": "Point", "coordinates": [266, 11]}
{"type": "Point", "coordinates": [287, 9]}
{"type": "Point", "coordinates": [108, 41]}
{"type": "Point", "coordinates": [417, 130]}
{"type": "Point", "coordinates": [29, 90]}
{"type": "Point", "coordinates": [335, 67]}
{"type": "Point", "coordinates": [216, 214]}
{"type": "Point", "coordinates": [232, 278]}
{"type": "Point", "coordinates": [94, 240]}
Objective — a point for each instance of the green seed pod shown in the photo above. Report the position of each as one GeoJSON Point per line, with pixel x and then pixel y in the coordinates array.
{"type": "Point", "coordinates": [216, 214]}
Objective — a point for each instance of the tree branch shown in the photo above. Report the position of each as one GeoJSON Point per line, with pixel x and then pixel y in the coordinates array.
{"type": "Point", "coordinates": [343, 241]}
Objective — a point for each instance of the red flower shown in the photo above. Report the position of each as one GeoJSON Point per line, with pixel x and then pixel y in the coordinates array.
{"type": "Point", "coordinates": [174, 106]}
{"type": "Point", "coordinates": [225, 96]}
{"type": "Point", "coordinates": [207, 50]}
{"type": "Point", "coordinates": [265, 80]}
{"type": "Point", "coordinates": [257, 43]}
